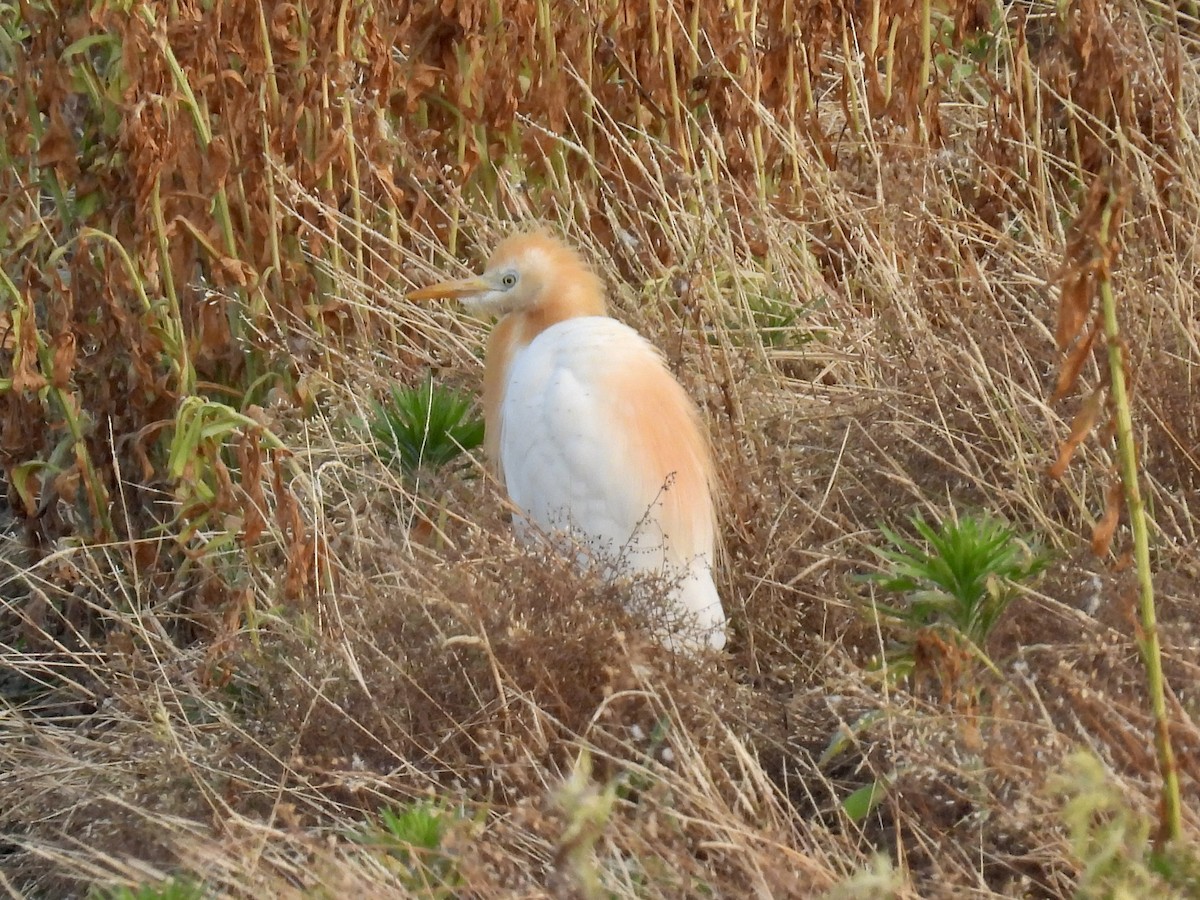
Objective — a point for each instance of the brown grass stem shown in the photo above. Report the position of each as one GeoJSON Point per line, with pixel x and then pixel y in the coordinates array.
{"type": "Point", "coordinates": [351, 151]}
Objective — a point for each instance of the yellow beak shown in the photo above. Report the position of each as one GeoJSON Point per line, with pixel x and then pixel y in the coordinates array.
{"type": "Point", "coordinates": [451, 290]}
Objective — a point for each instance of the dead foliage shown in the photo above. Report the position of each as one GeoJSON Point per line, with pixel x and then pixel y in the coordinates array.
{"type": "Point", "coordinates": [843, 223]}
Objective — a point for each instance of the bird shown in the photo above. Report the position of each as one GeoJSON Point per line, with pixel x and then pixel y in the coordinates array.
{"type": "Point", "coordinates": [590, 434]}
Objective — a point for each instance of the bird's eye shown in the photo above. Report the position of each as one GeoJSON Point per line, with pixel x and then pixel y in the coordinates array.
{"type": "Point", "coordinates": [509, 279]}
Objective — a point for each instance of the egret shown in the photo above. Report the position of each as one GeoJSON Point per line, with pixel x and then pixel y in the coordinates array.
{"type": "Point", "coordinates": [592, 436]}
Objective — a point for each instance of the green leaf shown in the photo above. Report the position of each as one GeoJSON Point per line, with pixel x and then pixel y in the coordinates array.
{"type": "Point", "coordinates": [411, 836]}
{"type": "Point", "coordinates": [424, 426]}
{"type": "Point", "coordinates": [845, 737]}
{"type": "Point", "coordinates": [859, 804]}
{"type": "Point", "coordinates": [960, 578]}
{"type": "Point", "coordinates": [22, 480]}
{"type": "Point", "coordinates": [85, 43]}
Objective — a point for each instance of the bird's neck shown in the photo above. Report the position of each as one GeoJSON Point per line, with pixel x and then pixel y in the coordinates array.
{"type": "Point", "coordinates": [579, 297]}
{"type": "Point", "coordinates": [516, 330]}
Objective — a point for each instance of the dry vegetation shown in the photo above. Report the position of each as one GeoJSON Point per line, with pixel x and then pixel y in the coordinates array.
{"type": "Point", "coordinates": [234, 641]}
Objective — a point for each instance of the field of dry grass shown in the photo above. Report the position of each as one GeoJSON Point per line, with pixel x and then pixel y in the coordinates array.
{"type": "Point", "coordinates": [241, 655]}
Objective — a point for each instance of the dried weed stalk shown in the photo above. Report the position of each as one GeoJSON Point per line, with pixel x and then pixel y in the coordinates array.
{"type": "Point", "coordinates": [1085, 280]}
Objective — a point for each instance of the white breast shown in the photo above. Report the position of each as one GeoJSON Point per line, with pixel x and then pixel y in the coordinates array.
{"type": "Point", "coordinates": [594, 439]}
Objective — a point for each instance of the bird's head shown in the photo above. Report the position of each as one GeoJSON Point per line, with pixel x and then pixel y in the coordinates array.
{"type": "Point", "coordinates": [527, 273]}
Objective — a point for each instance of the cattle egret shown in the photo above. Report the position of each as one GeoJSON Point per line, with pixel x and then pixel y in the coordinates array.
{"type": "Point", "coordinates": [592, 435]}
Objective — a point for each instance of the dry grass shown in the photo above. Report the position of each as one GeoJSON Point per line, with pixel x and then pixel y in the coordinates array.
{"type": "Point", "coordinates": [237, 716]}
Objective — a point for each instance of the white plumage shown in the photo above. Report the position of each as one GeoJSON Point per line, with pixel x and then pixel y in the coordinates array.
{"type": "Point", "coordinates": [595, 440]}
{"type": "Point", "coordinates": [572, 464]}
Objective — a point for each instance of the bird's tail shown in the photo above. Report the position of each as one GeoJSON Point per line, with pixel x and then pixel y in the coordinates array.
{"type": "Point", "coordinates": [701, 618]}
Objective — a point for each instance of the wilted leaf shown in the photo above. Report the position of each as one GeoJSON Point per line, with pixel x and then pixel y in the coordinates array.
{"type": "Point", "coordinates": [333, 149]}
{"type": "Point", "coordinates": [1102, 533]}
{"type": "Point", "coordinates": [1073, 364]}
{"type": "Point", "coordinates": [219, 160]}
{"type": "Point", "coordinates": [301, 550]}
{"type": "Point", "coordinates": [235, 270]}
{"type": "Point", "coordinates": [1074, 305]}
{"type": "Point", "coordinates": [26, 376]}
{"type": "Point", "coordinates": [250, 462]}
{"type": "Point", "coordinates": [64, 358]}
{"type": "Point", "coordinates": [55, 146]}
{"type": "Point", "coordinates": [66, 484]}
{"type": "Point", "coordinates": [1081, 427]}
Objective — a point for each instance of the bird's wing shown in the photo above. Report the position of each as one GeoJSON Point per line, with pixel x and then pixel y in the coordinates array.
{"type": "Point", "coordinates": [598, 438]}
